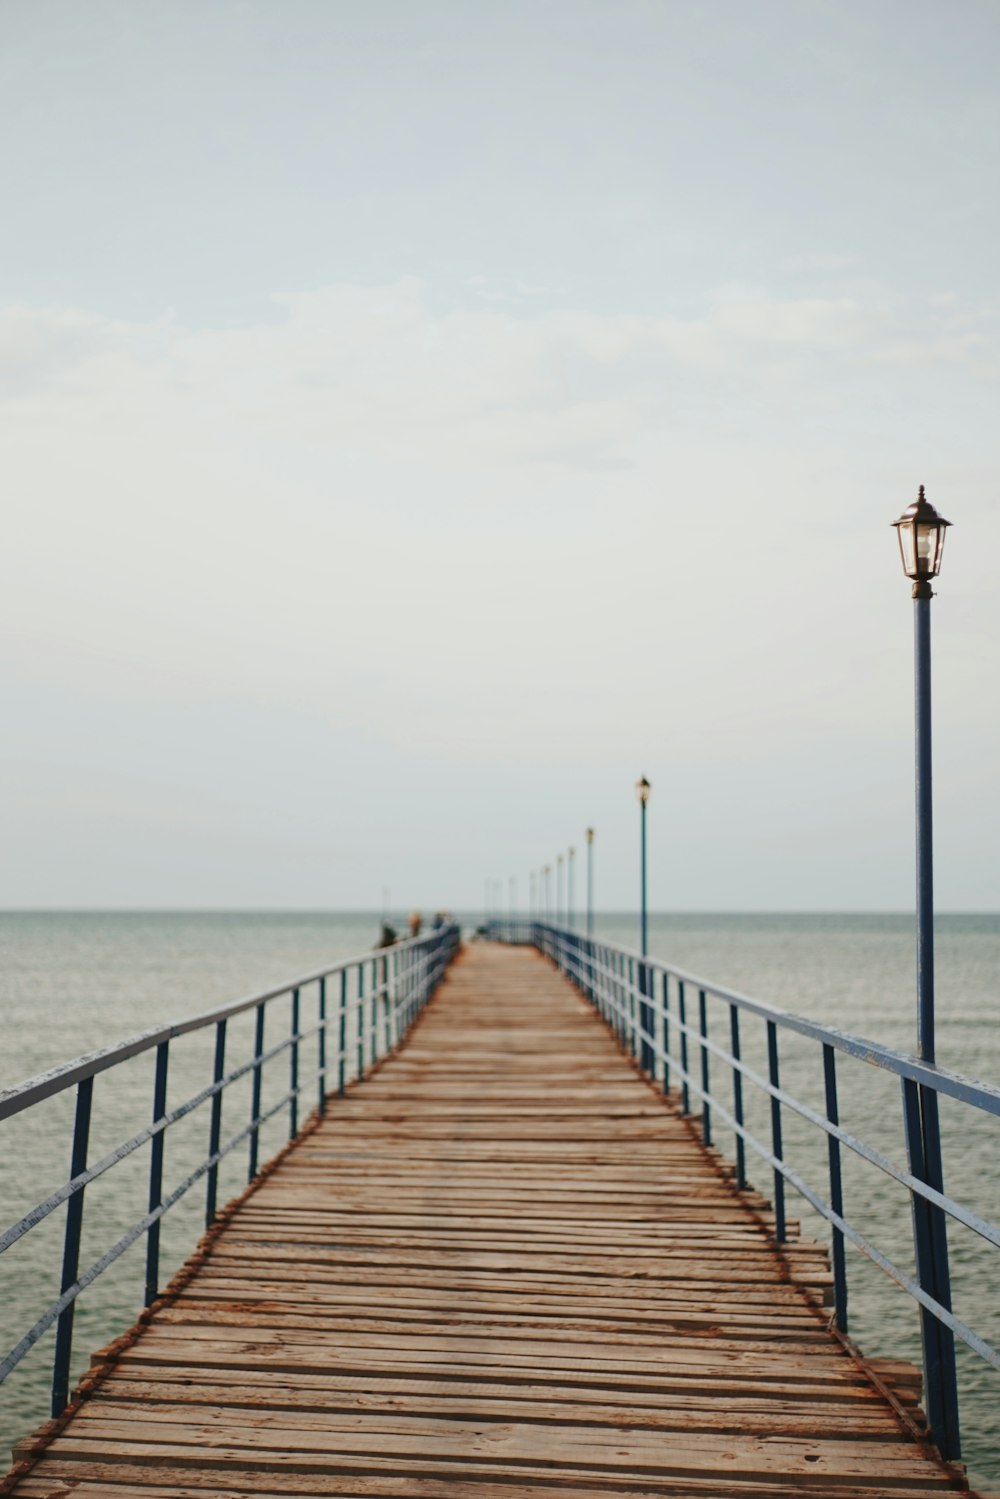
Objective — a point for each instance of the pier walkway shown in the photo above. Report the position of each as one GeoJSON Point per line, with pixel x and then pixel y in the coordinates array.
{"type": "Point", "coordinates": [503, 1267]}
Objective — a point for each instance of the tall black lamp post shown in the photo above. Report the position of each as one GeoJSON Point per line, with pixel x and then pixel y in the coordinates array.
{"type": "Point", "coordinates": [920, 530]}
{"type": "Point", "coordinates": [646, 1055]}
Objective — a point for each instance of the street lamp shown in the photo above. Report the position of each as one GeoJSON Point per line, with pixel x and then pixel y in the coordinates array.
{"type": "Point", "coordinates": [571, 855]}
{"type": "Point", "coordinates": [642, 790]}
{"type": "Point", "coordinates": [921, 542]}
{"type": "Point", "coordinates": [546, 873]}
{"type": "Point", "coordinates": [646, 1055]}
{"type": "Point", "coordinates": [920, 530]}
{"type": "Point", "coordinates": [560, 906]}
{"type": "Point", "coordinates": [590, 882]}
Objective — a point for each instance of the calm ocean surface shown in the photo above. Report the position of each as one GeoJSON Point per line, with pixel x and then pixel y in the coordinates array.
{"type": "Point", "coordinates": [72, 982]}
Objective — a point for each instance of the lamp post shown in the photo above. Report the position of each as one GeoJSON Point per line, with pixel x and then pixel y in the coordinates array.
{"type": "Point", "coordinates": [646, 1055]}
{"type": "Point", "coordinates": [590, 882]}
{"type": "Point", "coordinates": [570, 856]}
{"type": "Point", "coordinates": [642, 790]}
{"type": "Point", "coordinates": [920, 530]}
{"type": "Point", "coordinates": [546, 872]}
{"type": "Point", "coordinates": [560, 892]}
{"type": "Point", "coordinates": [921, 542]}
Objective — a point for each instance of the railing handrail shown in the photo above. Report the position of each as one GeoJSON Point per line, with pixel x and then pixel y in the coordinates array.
{"type": "Point", "coordinates": [975, 1091]}
{"type": "Point", "coordinates": [46, 1084]}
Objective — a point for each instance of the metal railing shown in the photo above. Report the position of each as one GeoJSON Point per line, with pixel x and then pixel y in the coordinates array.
{"type": "Point", "coordinates": [366, 1004]}
{"type": "Point", "coordinates": [661, 1014]}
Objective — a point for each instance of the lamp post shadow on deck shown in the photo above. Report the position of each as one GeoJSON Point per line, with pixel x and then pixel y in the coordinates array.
{"type": "Point", "coordinates": [646, 1054]}
{"type": "Point", "coordinates": [920, 530]}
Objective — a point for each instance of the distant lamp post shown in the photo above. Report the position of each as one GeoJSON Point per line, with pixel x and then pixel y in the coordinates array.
{"type": "Point", "coordinates": [560, 900]}
{"type": "Point", "coordinates": [642, 790]}
{"type": "Point", "coordinates": [590, 882]}
{"type": "Point", "coordinates": [920, 530]}
{"type": "Point", "coordinates": [547, 889]}
{"type": "Point", "coordinates": [647, 1056]}
{"type": "Point", "coordinates": [570, 856]}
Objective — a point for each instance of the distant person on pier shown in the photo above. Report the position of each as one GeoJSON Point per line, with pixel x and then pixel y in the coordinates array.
{"type": "Point", "coordinates": [416, 923]}
{"type": "Point", "coordinates": [389, 935]}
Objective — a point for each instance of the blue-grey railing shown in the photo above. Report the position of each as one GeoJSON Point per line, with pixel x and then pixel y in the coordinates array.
{"type": "Point", "coordinates": [363, 1008]}
{"type": "Point", "coordinates": [648, 1004]}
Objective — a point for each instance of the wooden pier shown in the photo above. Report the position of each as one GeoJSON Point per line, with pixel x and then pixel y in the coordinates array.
{"type": "Point", "coordinates": [501, 1268]}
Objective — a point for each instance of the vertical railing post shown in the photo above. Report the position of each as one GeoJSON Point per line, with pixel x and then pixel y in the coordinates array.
{"type": "Point", "coordinates": [360, 1048]}
{"type": "Point", "coordinates": [836, 1187]}
{"type": "Point", "coordinates": [780, 1232]}
{"type": "Point", "coordinates": [666, 1031]}
{"type": "Point", "coordinates": [342, 1058]}
{"type": "Point", "coordinates": [215, 1124]}
{"type": "Point", "coordinates": [929, 1240]}
{"type": "Point", "coordinates": [734, 1047]}
{"type": "Point", "coordinates": [706, 1111]}
{"type": "Point", "coordinates": [156, 1172]}
{"type": "Point", "coordinates": [647, 1058]}
{"type": "Point", "coordinates": [258, 1051]}
{"type": "Point", "coordinates": [71, 1245]}
{"type": "Point", "coordinates": [293, 1068]}
{"type": "Point", "coordinates": [321, 1048]}
{"type": "Point", "coordinates": [633, 1036]}
{"type": "Point", "coordinates": [386, 1018]}
{"type": "Point", "coordinates": [682, 1027]}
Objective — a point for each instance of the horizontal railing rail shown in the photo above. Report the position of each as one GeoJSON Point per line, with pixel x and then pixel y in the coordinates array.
{"type": "Point", "coordinates": [376, 998]}
{"type": "Point", "coordinates": [661, 1014]}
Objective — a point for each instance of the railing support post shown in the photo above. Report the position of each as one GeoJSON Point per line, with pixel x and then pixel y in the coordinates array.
{"type": "Point", "coordinates": [156, 1173]}
{"type": "Point", "coordinates": [360, 1059]}
{"type": "Point", "coordinates": [215, 1127]}
{"type": "Point", "coordinates": [258, 1051]}
{"type": "Point", "coordinates": [342, 1059]}
{"type": "Point", "coordinates": [647, 1055]}
{"type": "Point", "coordinates": [930, 1243]}
{"type": "Point", "coordinates": [741, 1144]}
{"type": "Point", "coordinates": [71, 1246]}
{"type": "Point", "coordinates": [706, 1112]}
{"type": "Point", "coordinates": [780, 1227]}
{"type": "Point", "coordinates": [836, 1188]}
{"type": "Point", "coordinates": [293, 1069]}
{"type": "Point", "coordinates": [321, 1049]}
{"type": "Point", "coordinates": [682, 1026]}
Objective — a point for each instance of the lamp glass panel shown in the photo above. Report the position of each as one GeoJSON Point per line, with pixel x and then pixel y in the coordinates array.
{"type": "Point", "coordinates": [930, 544]}
{"type": "Point", "coordinates": [908, 548]}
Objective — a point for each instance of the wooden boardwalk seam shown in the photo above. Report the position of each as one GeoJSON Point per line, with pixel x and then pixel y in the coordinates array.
{"type": "Point", "coordinates": [501, 1268]}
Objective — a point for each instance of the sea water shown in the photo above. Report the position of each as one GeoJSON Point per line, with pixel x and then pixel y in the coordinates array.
{"type": "Point", "coordinates": [74, 982]}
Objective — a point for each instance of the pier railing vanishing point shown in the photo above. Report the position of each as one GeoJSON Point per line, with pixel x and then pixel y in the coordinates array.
{"type": "Point", "coordinates": [664, 1017]}
{"type": "Point", "coordinates": [361, 1009]}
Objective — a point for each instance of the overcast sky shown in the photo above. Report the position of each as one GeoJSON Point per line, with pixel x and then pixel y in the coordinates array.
{"type": "Point", "coordinates": [420, 419]}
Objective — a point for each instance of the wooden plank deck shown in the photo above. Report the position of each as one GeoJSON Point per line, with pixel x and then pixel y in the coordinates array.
{"type": "Point", "coordinates": [501, 1268]}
